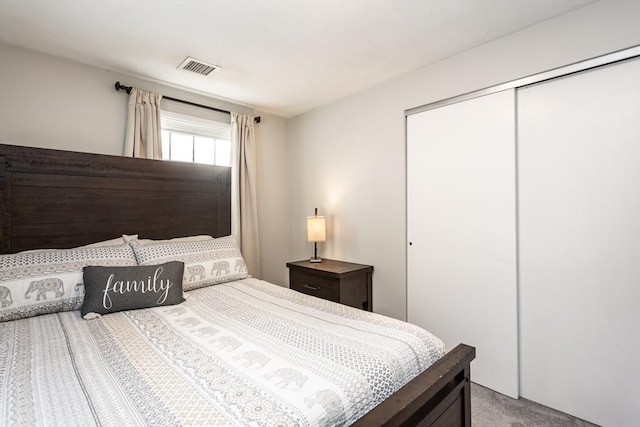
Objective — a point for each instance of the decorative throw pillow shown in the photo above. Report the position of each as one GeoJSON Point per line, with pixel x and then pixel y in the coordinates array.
{"type": "Point", "coordinates": [111, 289]}
{"type": "Point", "coordinates": [206, 262]}
{"type": "Point", "coordinates": [49, 281]}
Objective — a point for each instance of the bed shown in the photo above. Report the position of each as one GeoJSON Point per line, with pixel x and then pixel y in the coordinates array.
{"type": "Point", "coordinates": [239, 351]}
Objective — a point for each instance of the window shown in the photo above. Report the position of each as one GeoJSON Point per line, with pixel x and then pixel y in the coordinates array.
{"type": "Point", "coordinates": [192, 139]}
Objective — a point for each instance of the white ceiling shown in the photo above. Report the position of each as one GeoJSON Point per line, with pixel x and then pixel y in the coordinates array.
{"type": "Point", "coordinates": [279, 56]}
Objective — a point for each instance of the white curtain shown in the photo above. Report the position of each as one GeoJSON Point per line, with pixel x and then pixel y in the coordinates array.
{"type": "Point", "coordinates": [143, 138]}
{"type": "Point", "coordinates": [246, 207]}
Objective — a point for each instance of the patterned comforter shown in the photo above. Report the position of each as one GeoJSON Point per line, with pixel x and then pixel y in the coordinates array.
{"type": "Point", "coordinates": [245, 353]}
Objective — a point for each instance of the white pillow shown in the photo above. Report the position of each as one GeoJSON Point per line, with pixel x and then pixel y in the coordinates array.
{"type": "Point", "coordinates": [198, 238]}
{"type": "Point", "coordinates": [113, 242]}
{"type": "Point", "coordinates": [206, 262]}
{"type": "Point", "coordinates": [49, 281]}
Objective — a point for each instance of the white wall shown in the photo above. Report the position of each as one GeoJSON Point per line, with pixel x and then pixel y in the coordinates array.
{"type": "Point", "coordinates": [55, 103]}
{"type": "Point", "coordinates": [273, 198]}
{"type": "Point", "coordinates": [51, 102]}
{"type": "Point", "coordinates": [348, 158]}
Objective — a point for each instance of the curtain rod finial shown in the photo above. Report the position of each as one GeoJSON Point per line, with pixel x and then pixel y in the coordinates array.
{"type": "Point", "coordinates": [119, 87]}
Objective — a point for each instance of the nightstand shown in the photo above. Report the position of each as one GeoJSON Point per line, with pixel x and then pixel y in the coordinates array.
{"type": "Point", "coordinates": [338, 281]}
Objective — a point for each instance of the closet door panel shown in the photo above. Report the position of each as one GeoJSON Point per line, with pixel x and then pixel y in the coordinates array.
{"type": "Point", "coordinates": [461, 227]}
{"type": "Point", "coordinates": [579, 233]}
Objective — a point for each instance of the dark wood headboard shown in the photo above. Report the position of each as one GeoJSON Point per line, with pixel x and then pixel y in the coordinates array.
{"type": "Point", "coordinates": [63, 199]}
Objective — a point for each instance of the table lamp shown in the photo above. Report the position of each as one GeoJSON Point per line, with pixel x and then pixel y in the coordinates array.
{"type": "Point", "coordinates": [316, 232]}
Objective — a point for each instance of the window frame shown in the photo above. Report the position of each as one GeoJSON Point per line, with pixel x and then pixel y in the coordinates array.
{"type": "Point", "coordinates": [193, 127]}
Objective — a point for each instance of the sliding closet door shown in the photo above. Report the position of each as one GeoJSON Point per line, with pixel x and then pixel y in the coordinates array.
{"type": "Point", "coordinates": [579, 232]}
{"type": "Point", "coordinates": [461, 228]}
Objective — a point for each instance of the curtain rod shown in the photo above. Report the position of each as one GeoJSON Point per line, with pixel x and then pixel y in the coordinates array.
{"type": "Point", "coordinates": [127, 89]}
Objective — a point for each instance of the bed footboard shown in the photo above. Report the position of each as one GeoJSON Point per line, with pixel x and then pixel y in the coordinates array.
{"type": "Point", "coordinates": [439, 396]}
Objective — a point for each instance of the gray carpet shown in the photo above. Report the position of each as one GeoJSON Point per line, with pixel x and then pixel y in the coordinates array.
{"type": "Point", "coordinates": [491, 409]}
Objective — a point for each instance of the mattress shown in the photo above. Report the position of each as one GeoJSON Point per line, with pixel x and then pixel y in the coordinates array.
{"type": "Point", "coordinates": [243, 353]}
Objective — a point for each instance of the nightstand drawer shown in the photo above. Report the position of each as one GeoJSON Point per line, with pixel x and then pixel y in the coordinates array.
{"type": "Point", "coordinates": [317, 286]}
{"type": "Point", "coordinates": [338, 281]}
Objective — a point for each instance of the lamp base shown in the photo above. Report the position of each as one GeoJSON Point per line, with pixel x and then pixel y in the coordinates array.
{"type": "Point", "coordinates": [315, 258]}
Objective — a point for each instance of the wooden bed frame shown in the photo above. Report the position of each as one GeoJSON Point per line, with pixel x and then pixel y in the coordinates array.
{"type": "Point", "coordinates": [60, 199]}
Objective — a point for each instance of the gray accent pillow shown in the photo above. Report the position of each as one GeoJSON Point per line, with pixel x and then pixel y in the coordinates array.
{"type": "Point", "coordinates": [112, 289]}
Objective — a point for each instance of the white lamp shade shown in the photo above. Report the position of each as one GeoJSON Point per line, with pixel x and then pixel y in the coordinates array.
{"type": "Point", "coordinates": [316, 230]}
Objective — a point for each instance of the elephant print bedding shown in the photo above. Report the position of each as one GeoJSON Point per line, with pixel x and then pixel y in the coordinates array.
{"type": "Point", "coordinates": [206, 262]}
{"type": "Point", "coordinates": [194, 272]}
{"type": "Point", "coordinates": [240, 267]}
{"type": "Point", "coordinates": [242, 353]}
{"type": "Point", "coordinates": [5, 297]}
{"type": "Point", "coordinates": [41, 287]}
{"type": "Point", "coordinates": [220, 268]}
{"type": "Point", "coordinates": [49, 281]}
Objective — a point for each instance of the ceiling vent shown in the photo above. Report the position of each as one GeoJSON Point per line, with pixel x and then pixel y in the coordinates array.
{"type": "Point", "coordinates": [197, 66]}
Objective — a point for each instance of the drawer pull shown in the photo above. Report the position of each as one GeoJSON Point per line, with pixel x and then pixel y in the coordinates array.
{"type": "Point", "coordinates": [313, 288]}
